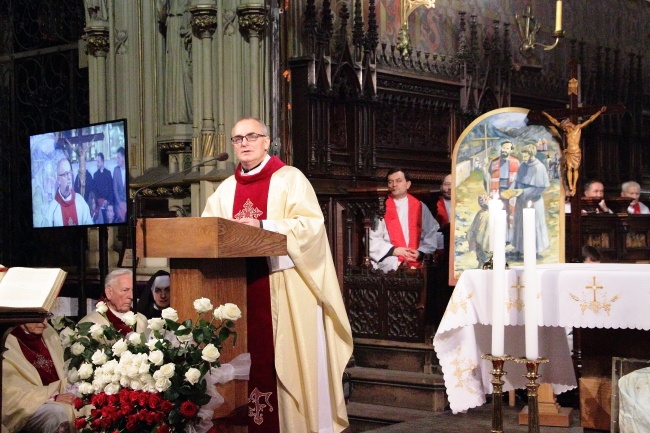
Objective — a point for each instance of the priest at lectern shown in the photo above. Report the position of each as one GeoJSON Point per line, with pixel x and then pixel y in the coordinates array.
{"type": "Point", "coordinates": [294, 301]}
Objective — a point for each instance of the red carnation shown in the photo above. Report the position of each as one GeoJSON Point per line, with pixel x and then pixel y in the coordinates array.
{"type": "Point", "coordinates": [189, 409]}
{"type": "Point", "coordinates": [127, 409]}
{"type": "Point", "coordinates": [142, 399]}
{"type": "Point", "coordinates": [113, 399]}
{"type": "Point", "coordinates": [96, 424]}
{"type": "Point", "coordinates": [155, 400]}
{"type": "Point", "coordinates": [78, 403]}
{"type": "Point", "coordinates": [80, 423]}
{"type": "Point", "coordinates": [164, 428]}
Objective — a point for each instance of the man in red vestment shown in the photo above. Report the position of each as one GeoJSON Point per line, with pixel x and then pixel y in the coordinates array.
{"type": "Point", "coordinates": [501, 174]}
{"type": "Point", "coordinates": [407, 232]}
{"type": "Point", "coordinates": [299, 336]}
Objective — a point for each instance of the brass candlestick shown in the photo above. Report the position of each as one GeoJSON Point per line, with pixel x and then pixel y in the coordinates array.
{"type": "Point", "coordinates": [497, 390]}
{"type": "Point", "coordinates": [532, 366]}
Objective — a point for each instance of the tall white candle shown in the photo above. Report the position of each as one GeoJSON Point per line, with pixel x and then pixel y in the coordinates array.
{"type": "Point", "coordinates": [498, 283]}
{"type": "Point", "coordinates": [530, 283]}
{"type": "Point", "coordinates": [494, 205]}
{"type": "Point", "coordinates": [558, 16]}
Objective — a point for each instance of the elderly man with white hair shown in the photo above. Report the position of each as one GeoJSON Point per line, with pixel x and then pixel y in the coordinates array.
{"type": "Point", "coordinates": [118, 290]}
{"type": "Point", "coordinates": [632, 190]}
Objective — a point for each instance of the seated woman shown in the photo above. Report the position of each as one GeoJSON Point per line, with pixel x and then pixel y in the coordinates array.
{"type": "Point", "coordinates": [34, 397]}
{"type": "Point", "coordinates": [155, 297]}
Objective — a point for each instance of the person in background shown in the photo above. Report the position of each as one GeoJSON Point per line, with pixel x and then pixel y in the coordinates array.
{"type": "Point", "coordinates": [110, 214]}
{"type": "Point", "coordinates": [590, 254]}
{"type": "Point", "coordinates": [407, 232]}
{"type": "Point", "coordinates": [632, 190]}
{"type": "Point", "coordinates": [103, 182]}
{"type": "Point", "coordinates": [118, 290]}
{"type": "Point", "coordinates": [119, 186]}
{"type": "Point", "coordinates": [299, 336]}
{"type": "Point", "coordinates": [443, 205]}
{"type": "Point", "coordinates": [155, 297]}
{"type": "Point", "coordinates": [34, 397]}
{"type": "Point", "coordinates": [595, 189]}
{"type": "Point", "coordinates": [95, 210]}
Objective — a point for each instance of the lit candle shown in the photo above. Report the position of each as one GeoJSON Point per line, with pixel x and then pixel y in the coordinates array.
{"type": "Point", "coordinates": [530, 282]}
{"type": "Point", "coordinates": [558, 16]}
{"type": "Point", "coordinates": [498, 282]}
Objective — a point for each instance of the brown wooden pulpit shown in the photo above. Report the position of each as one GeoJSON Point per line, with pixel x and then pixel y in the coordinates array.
{"type": "Point", "coordinates": [208, 260]}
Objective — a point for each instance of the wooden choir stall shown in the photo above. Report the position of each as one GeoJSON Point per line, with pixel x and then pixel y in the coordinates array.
{"type": "Point", "coordinates": [208, 260]}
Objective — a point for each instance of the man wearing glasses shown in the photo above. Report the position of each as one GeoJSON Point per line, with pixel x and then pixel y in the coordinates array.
{"type": "Point", "coordinates": [294, 300]}
{"type": "Point", "coordinates": [68, 208]}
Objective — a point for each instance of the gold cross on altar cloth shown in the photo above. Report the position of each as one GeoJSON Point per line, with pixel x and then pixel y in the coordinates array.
{"type": "Point", "coordinates": [594, 287]}
{"type": "Point", "coordinates": [518, 303]}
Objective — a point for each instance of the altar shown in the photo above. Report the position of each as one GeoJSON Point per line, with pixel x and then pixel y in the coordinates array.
{"type": "Point", "coordinates": [570, 296]}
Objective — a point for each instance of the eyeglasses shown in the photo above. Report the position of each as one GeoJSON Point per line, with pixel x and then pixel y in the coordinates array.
{"type": "Point", "coordinates": [65, 174]}
{"type": "Point", "coordinates": [251, 138]}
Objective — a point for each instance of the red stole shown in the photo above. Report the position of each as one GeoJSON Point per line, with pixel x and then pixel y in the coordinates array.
{"type": "Point", "coordinates": [37, 354]}
{"type": "Point", "coordinates": [68, 209]}
{"type": "Point", "coordinates": [637, 208]}
{"type": "Point", "coordinates": [441, 212]}
{"type": "Point", "coordinates": [251, 198]}
{"type": "Point", "coordinates": [495, 174]}
{"type": "Point", "coordinates": [394, 226]}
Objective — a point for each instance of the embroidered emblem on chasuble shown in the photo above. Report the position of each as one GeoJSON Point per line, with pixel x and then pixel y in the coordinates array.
{"type": "Point", "coordinates": [257, 411]}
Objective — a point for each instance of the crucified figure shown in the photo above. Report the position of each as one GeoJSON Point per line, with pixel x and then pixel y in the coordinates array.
{"type": "Point", "coordinates": [572, 152]}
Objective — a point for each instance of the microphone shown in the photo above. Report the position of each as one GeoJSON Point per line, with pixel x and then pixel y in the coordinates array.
{"type": "Point", "coordinates": [223, 156]}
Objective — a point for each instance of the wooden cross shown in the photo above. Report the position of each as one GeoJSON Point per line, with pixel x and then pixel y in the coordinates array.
{"type": "Point", "coordinates": [80, 144]}
{"type": "Point", "coordinates": [573, 113]}
{"type": "Point", "coordinates": [486, 142]}
{"type": "Point", "coordinates": [594, 287]}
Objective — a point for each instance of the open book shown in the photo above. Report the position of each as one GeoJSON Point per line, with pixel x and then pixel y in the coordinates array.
{"type": "Point", "coordinates": [29, 289]}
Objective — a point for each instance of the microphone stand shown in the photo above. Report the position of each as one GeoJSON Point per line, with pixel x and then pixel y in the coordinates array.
{"type": "Point", "coordinates": [134, 217]}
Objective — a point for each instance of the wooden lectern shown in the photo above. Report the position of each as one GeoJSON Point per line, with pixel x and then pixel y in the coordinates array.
{"type": "Point", "coordinates": [207, 260]}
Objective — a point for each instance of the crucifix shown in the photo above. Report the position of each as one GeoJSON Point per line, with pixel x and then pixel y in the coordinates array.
{"type": "Point", "coordinates": [80, 145]}
{"type": "Point", "coordinates": [571, 144]}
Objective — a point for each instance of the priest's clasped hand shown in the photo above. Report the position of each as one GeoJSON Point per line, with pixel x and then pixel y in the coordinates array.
{"type": "Point", "coordinates": [410, 254]}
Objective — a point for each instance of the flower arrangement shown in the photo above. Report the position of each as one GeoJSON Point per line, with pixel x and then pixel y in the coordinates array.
{"type": "Point", "coordinates": [157, 381]}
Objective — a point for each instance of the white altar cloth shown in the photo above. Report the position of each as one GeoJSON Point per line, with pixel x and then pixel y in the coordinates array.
{"type": "Point", "coordinates": [572, 295]}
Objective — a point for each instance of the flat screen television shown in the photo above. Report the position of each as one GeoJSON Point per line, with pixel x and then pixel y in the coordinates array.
{"type": "Point", "coordinates": [80, 176]}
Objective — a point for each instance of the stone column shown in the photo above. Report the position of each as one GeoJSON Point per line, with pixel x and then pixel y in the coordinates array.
{"type": "Point", "coordinates": [253, 21]}
{"type": "Point", "coordinates": [97, 46]}
{"type": "Point", "coordinates": [204, 24]}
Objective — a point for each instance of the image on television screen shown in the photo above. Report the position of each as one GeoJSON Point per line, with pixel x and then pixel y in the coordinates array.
{"type": "Point", "coordinates": [80, 176]}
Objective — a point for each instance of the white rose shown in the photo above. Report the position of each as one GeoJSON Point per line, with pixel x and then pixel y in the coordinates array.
{"type": "Point", "coordinates": [119, 347]}
{"type": "Point", "coordinates": [73, 376]}
{"type": "Point", "coordinates": [85, 371]}
{"type": "Point", "coordinates": [125, 382]}
{"type": "Point", "coordinates": [67, 335]}
{"type": "Point", "coordinates": [210, 353]}
{"type": "Point", "coordinates": [163, 384]}
{"type": "Point", "coordinates": [132, 371]}
{"type": "Point", "coordinates": [109, 367]}
{"type": "Point", "coordinates": [135, 338]}
{"type": "Point", "coordinates": [169, 314]}
{"type": "Point", "coordinates": [135, 385]}
{"type": "Point", "coordinates": [228, 311]}
{"type": "Point", "coordinates": [112, 388]}
{"type": "Point", "coordinates": [151, 344]}
{"type": "Point", "coordinates": [101, 307]}
{"type": "Point", "coordinates": [85, 388]}
{"type": "Point", "coordinates": [156, 357]}
{"type": "Point", "coordinates": [202, 305]}
{"type": "Point", "coordinates": [167, 370]}
{"type": "Point", "coordinates": [156, 324]}
{"type": "Point", "coordinates": [129, 318]}
{"type": "Point", "coordinates": [144, 368]}
{"type": "Point", "coordinates": [193, 375]}
{"type": "Point", "coordinates": [57, 322]}
{"type": "Point", "coordinates": [96, 331]}
{"type": "Point", "coordinates": [99, 357]}
{"type": "Point", "coordinates": [77, 349]}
